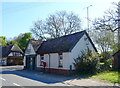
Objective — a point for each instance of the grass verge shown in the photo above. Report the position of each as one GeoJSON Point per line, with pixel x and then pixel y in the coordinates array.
{"type": "Point", "coordinates": [111, 76]}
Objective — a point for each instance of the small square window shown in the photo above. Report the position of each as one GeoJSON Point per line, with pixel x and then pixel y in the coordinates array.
{"type": "Point", "coordinates": [60, 60]}
{"type": "Point", "coordinates": [41, 60]}
{"type": "Point", "coordinates": [42, 57]}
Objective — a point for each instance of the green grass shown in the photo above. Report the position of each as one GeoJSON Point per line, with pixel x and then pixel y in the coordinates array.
{"type": "Point", "coordinates": [111, 76]}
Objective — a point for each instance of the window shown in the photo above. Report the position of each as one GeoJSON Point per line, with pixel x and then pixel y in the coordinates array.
{"type": "Point", "coordinates": [31, 61]}
{"type": "Point", "coordinates": [11, 61]}
{"type": "Point", "coordinates": [60, 60]}
{"type": "Point", "coordinates": [41, 60]}
{"type": "Point", "coordinates": [16, 54]}
{"type": "Point", "coordinates": [13, 53]}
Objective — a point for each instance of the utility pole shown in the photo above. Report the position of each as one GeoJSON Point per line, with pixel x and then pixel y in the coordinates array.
{"type": "Point", "coordinates": [119, 25]}
{"type": "Point", "coordinates": [88, 16]}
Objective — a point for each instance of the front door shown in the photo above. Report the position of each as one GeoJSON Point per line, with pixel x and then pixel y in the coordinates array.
{"type": "Point", "coordinates": [31, 62]}
{"type": "Point", "coordinates": [27, 62]}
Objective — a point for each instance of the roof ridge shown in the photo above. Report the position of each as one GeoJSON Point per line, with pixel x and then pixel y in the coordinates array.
{"type": "Point", "coordinates": [65, 35]}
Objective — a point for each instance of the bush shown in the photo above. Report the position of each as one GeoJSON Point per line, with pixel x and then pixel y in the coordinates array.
{"type": "Point", "coordinates": [87, 63]}
{"type": "Point", "coordinates": [105, 58]}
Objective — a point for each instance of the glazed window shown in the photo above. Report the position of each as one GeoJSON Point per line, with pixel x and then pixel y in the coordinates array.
{"type": "Point", "coordinates": [16, 54]}
{"type": "Point", "coordinates": [60, 59]}
{"type": "Point", "coordinates": [41, 60]}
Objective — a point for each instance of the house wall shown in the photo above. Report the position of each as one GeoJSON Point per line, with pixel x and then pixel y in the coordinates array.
{"type": "Point", "coordinates": [82, 45]}
{"type": "Point", "coordinates": [52, 61]}
{"type": "Point", "coordinates": [16, 48]}
{"type": "Point", "coordinates": [29, 51]}
{"type": "Point", "coordinates": [24, 61]}
{"type": "Point", "coordinates": [4, 61]}
{"type": "Point", "coordinates": [11, 54]}
{"type": "Point", "coordinates": [14, 60]}
{"type": "Point", "coordinates": [116, 61]}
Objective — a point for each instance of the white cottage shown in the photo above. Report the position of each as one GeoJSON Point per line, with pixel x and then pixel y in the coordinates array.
{"type": "Point", "coordinates": [59, 53]}
{"type": "Point", "coordinates": [30, 61]}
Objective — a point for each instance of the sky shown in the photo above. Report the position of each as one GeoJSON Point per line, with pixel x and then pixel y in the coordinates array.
{"type": "Point", "coordinates": [18, 17]}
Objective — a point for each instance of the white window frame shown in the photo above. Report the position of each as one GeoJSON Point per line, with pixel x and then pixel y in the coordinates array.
{"type": "Point", "coordinates": [41, 59]}
{"type": "Point", "coordinates": [60, 60]}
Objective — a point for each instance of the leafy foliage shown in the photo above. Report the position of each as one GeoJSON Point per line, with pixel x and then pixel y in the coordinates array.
{"type": "Point", "coordinates": [104, 40]}
{"type": "Point", "coordinates": [3, 40]}
{"type": "Point", "coordinates": [87, 62]}
{"type": "Point", "coordinates": [23, 39]}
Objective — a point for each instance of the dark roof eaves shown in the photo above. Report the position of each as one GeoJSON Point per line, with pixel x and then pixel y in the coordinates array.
{"type": "Point", "coordinates": [8, 51]}
{"type": "Point", "coordinates": [54, 52]}
{"type": "Point", "coordinates": [91, 41]}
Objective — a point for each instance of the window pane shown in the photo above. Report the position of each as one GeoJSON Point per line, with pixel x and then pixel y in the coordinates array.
{"type": "Point", "coordinates": [42, 58]}
{"type": "Point", "coordinates": [61, 57]}
{"type": "Point", "coordinates": [60, 60]}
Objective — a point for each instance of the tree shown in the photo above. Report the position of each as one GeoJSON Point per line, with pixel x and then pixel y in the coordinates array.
{"type": "Point", "coordinates": [110, 22]}
{"type": "Point", "coordinates": [3, 40]}
{"type": "Point", "coordinates": [104, 40]}
{"type": "Point", "coordinates": [105, 32]}
{"type": "Point", "coordinates": [106, 44]}
{"type": "Point", "coordinates": [12, 42]}
{"type": "Point", "coordinates": [56, 25]}
{"type": "Point", "coordinates": [22, 40]}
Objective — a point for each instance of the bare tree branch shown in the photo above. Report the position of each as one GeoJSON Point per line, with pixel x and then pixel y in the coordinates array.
{"type": "Point", "coordinates": [56, 25]}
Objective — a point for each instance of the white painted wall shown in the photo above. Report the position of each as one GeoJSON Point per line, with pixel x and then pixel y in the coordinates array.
{"type": "Point", "coordinates": [31, 52]}
{"type": "Point", "coordinates": [11, 54]}
{"type": "Point", "coordinates": [24, 61]}
{"type": "Point", "coordinates": [66, 60]}
{"type": "Point", "coordinates": [80, 46]}
{"type": "Point", "coordinates": [54, 61]}
{"type": "Point", "coordinates": [30, 49]}
{"type": "Point", "coordinates": [38, 60]}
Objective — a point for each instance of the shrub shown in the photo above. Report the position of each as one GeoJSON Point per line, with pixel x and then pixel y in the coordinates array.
{"type": "Point", "coordinates": [87, 62]}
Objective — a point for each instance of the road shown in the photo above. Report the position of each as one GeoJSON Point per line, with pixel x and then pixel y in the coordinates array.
{"type": "Point", "coordinates": [16, 76]}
